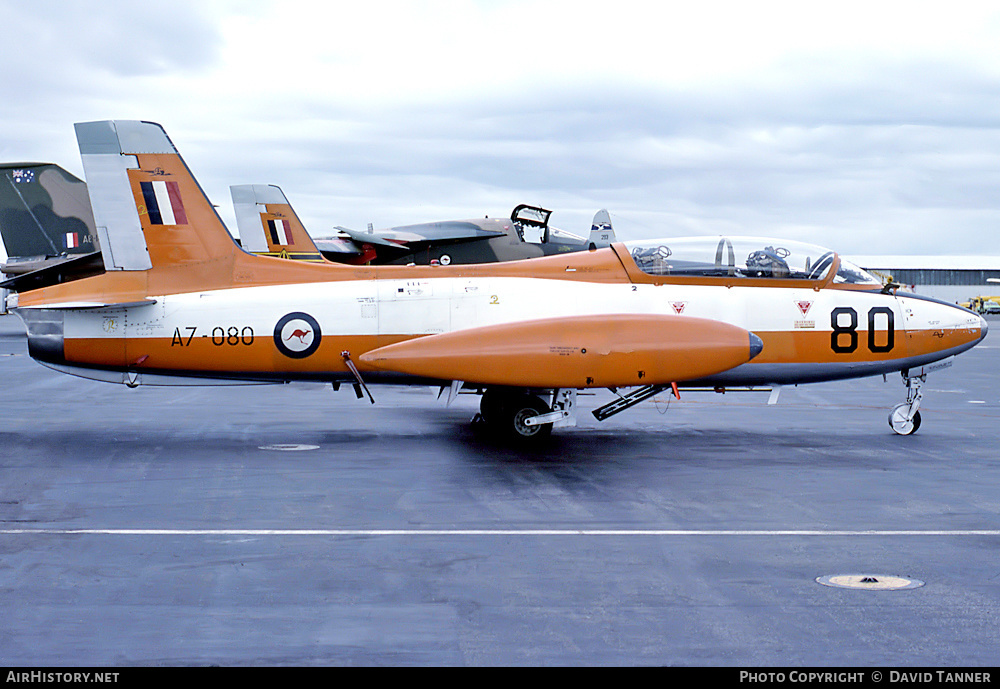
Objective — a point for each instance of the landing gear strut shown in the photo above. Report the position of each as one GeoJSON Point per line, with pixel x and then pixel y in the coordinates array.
{"type": "Point", "coordinates": [904, 418]}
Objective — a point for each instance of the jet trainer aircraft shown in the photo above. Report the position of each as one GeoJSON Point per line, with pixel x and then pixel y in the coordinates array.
{"type": "Point", "coordinates": [181, 303]}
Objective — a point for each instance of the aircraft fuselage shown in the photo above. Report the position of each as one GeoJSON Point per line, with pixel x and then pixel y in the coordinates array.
{"type": "Point", "coordinates": [301, 331]}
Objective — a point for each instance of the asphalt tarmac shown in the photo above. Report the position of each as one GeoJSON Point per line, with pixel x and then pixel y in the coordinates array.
{"type": "Point", "coordinates": [291, 525]}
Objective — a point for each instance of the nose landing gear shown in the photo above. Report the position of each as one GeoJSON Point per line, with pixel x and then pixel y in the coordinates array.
{"type": "Point", "coordinates": [904, 418]}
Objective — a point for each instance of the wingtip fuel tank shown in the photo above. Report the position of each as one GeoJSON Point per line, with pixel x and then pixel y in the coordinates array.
{"type": "Point", "coordinates": [613, 350]}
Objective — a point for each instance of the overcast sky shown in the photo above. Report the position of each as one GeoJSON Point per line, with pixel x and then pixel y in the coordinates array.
{"type": "Point", "coordinates": [869, 127]}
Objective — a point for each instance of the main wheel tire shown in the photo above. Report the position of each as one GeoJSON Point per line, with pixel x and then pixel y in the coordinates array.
{"type": "Point", "coordinates": [491, 406]}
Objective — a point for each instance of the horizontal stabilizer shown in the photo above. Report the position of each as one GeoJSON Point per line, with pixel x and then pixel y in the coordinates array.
{"type": "Point", "coordinates": [80, 305]}
{"type": "Point", "coordinates": [574, 352]}
{"type": "Point", "coordinates": [29, 275]}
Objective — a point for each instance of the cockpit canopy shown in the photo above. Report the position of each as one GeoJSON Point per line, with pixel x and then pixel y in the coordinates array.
{"type": "Point", "coordinates": [742, 257]}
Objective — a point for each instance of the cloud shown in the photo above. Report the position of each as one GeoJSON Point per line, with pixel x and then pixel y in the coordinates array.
{"type": "Point", "coordinates": [871, 128]}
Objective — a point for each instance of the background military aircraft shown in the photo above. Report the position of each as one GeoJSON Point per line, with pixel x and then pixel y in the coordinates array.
{"type": "Point", "coordinates": [46, 224]}
{"type": "Point", "coordinates": [48, 230]}
{"type": "Point", "coordinates": [268, 225]}
{"type": "Point", "coordinates": [526, 234]}
{"type": "Point", "coordinates": [181, 303]}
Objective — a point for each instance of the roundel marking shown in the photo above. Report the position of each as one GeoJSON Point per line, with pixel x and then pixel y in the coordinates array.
{"type": "Point", "coordinates": [297, 335]}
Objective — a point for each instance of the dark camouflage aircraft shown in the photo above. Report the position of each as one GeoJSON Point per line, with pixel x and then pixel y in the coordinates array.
{"type": "Point", "coordinates": [47, 226]}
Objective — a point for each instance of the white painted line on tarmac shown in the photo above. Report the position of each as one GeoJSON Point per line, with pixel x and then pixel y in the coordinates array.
{"type": "Point", "coordinates": [493, 532]}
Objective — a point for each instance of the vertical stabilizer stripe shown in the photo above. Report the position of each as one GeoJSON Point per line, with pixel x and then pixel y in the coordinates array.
{"type": "Point", "coordinates": [149, 198]}
{"type": "Point", "coordinates": [283, 233]}
{"type": "Point", "coordinates": [163, 201]}
{"type": "Point", "coordinates": [174, 192]}
{"type": "Point", "coordinates": [277, 229]}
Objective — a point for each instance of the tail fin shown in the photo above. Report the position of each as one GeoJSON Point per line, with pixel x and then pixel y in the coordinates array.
{"type": "Point", "coordinates": [148, 208]}
{"type": "Point", "coordinates": [44, 211]}
{"type": "Point", "coordinates": [268, 225]}
{"type": "Point", "coordinates": [601, 232]}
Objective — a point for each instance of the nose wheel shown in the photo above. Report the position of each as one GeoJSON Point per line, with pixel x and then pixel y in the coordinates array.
{"type": "Point", "coordinates": [901, 421]}
{"type": "Point", "coordinates": [904, 419]}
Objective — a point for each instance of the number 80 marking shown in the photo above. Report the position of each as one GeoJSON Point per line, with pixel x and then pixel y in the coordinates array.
{"type": "Point", "coordinates": [849, 332]}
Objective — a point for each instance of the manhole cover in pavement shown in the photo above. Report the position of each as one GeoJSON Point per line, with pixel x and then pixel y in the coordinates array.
{"type": "Point", "coordinates": [873, 582]}
{"type": "Point", "coordinates": [288, 447]}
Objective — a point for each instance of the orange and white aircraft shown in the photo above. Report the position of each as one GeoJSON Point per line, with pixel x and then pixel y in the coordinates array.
{"type": "Point", "coordinates": [181, 303]}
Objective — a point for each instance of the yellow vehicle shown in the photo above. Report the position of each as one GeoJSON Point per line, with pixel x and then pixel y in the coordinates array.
{"type": "Point", "coordinates": [984, 304]}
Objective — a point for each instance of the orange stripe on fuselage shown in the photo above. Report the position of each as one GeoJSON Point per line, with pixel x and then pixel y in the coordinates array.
{"type": "Point", "coordinates": [234, 355]}
{"type": "Point", "coordinates": [811, 346]}
{"type": "Point", "coordinates": [201, 354]}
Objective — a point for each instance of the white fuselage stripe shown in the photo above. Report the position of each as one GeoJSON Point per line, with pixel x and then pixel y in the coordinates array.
{"type": "Point", "coordinates": [163, 201]}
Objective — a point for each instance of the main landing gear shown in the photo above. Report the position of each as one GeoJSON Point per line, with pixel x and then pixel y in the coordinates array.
{"type": "Point", "coordinates": [522, 416]}
{"type": "Point", "coordinates": [904, 418]}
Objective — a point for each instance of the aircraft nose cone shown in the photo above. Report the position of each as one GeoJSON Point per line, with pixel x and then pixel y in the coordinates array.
{"type": "Point", "coordinates": [756, 345]}
{"type": "Point", "coordinates": [984, 328]}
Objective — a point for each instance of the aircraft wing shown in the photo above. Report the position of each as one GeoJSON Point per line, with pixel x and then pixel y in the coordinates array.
{"type": "Point", "coordinates": [440, 232]}
{"type": "Point", "coordinates": [338, 246]}
{"type": "Point", "coordinates": [406, 238]}
{"type": "Point", "coordinates": [371, 238]}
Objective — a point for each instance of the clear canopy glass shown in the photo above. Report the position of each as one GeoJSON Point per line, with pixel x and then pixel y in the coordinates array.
{"type": "Point", "coordinates": [742, 257]}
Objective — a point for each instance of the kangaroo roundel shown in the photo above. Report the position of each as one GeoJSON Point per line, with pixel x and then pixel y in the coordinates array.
{"type": "Point", "coordinates": [297, 335]}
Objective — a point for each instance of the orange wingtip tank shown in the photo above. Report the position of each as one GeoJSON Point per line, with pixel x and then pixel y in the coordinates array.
{"type": "Point", "coordinates": [575, 352]}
